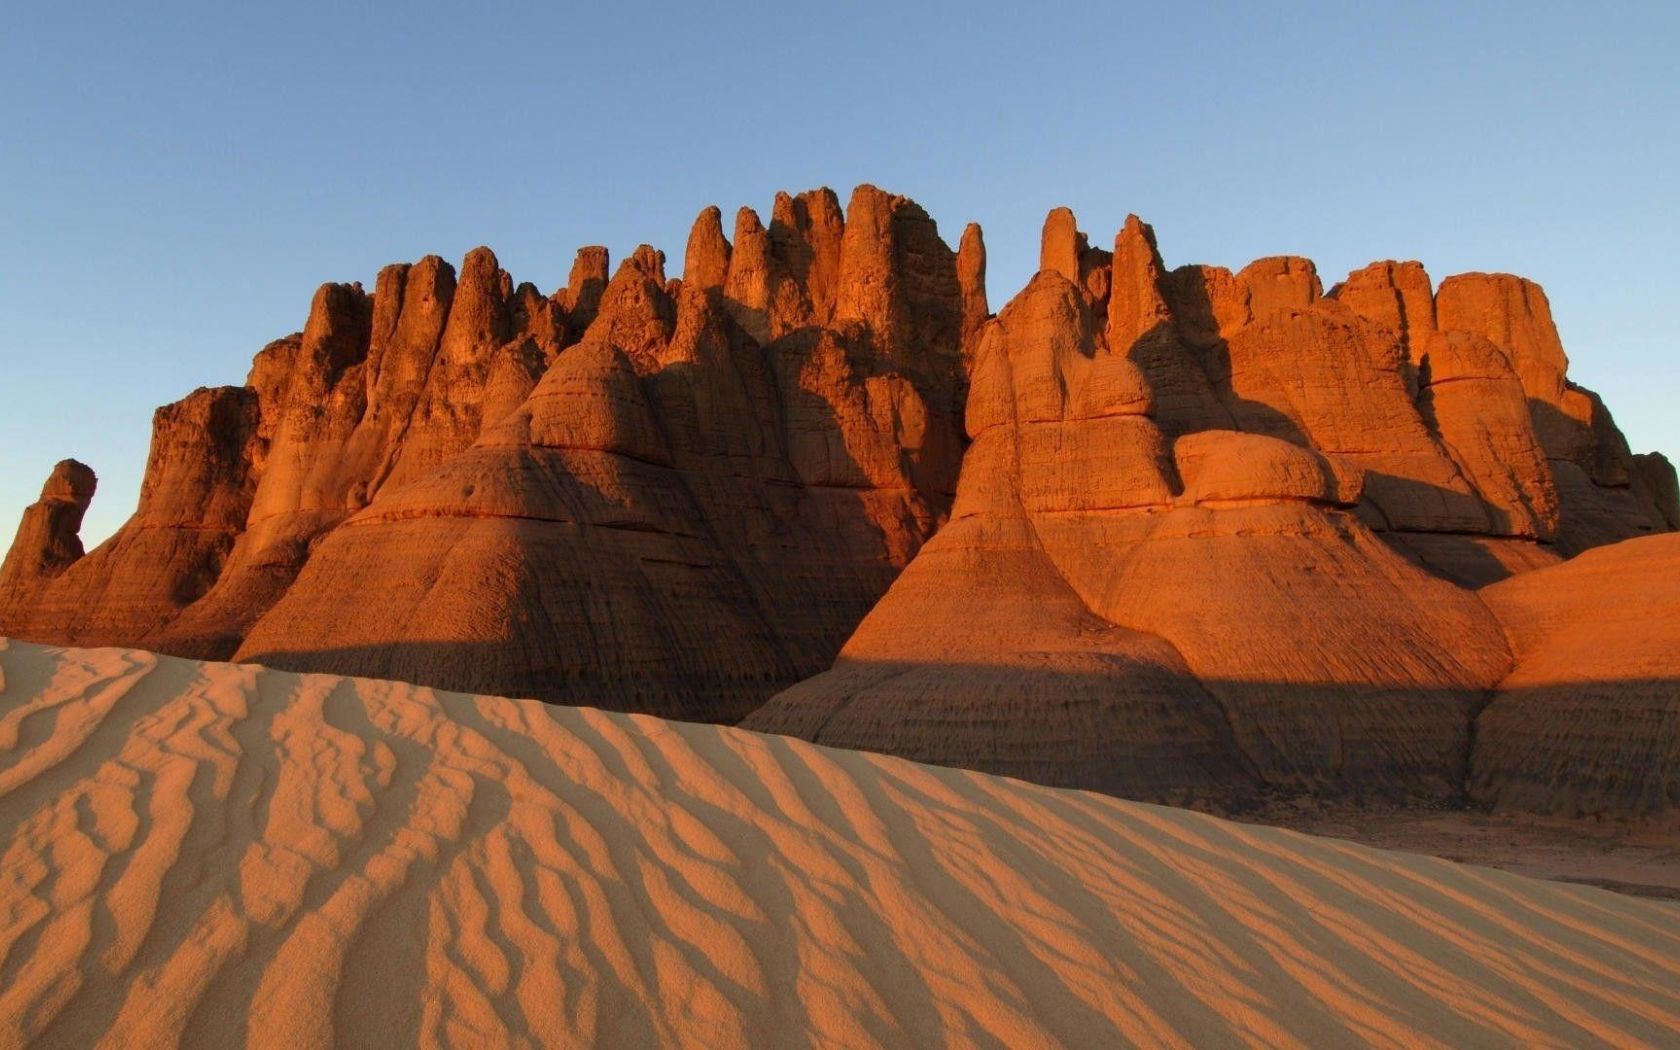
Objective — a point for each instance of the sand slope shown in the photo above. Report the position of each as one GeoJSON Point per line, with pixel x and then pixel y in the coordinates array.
{"type": "Point", "coordinates": [210, 853]}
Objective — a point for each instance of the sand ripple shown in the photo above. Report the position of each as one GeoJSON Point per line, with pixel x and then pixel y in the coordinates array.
{"type": "Point", "coordinates": [210, 853]}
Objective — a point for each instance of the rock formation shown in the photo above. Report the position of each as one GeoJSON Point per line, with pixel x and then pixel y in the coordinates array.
{"type": "Point", "coordinates": [1454, 405]}
{"type": "Point", "coordinates": [49, 536]}
{"type": "Point", "coordinates": [194, 500]}
{"type": "Point", "coordinates": [1207, 515]}
{"type": "Point", "coordinates": [462, 482]}
{"type": "Point", "coordinates": [1217, 533]}
{"type": "Point", "coordinates": [1589, 719]}
{"type": "Point", "coordinates": [1198, 617]}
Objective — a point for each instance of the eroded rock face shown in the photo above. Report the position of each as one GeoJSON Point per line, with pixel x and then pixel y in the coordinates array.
{"type": "Point", "coordinates": [982, 655]}
{"type": "Point", "coordinates": [1105, 599]}
{"type": "Point", "coordinates": [194, 501]}
{"type": "Point", "coordinates": [645, 493]}
{"type": "Point", "coordinates": [1588, 722]}
{"type": "Point", "coordinates": [1214, 529]}
{"type": "Point", "coordinates": [1480, 458]}
{"type": "Point", "coordinates": [678, 518]}
{"type": "Point", "coordinates": [1590, 462]}
{"type": "Point", "coordinates": [1208, 514]}
{"type": "Point", "coordinates": [1653, 472]}
{"type": "Point", "coordinates": [49, 538]}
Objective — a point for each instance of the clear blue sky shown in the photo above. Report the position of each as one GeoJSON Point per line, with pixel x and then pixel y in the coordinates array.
{"type": "Point", "coordinates": [175, 180]}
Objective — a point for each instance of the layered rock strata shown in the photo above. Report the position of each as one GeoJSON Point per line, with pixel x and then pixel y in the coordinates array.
{"type": "Point", "coordinates": [1226, 506]}
{"type": "Point", "coordinates": [1216, 533]}
{"type": "Point", "coordinates": [1588, 722]}
{"type": "Point", "coordinates": [666, 495]}
{"type": "Point", "coordinates": [1203, 617]}
{"type": "Point", "coordinates": [49, 538]}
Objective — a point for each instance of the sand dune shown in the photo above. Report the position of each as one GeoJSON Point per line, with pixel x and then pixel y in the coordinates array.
{"type": "Point", "coordinates": [210, 853]}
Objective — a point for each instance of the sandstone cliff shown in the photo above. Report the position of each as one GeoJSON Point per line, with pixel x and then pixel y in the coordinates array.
{"type": "Point", "coordinates": [1117, 609]}
{"type": "Point", "coordinates": [49, 536]}
{"type": "Point", "coordinates": [1589, 719]}
{"type": "Point", "coordinates": [667, 495]}
{"type": "Point", "coordinates": [1215, 531]}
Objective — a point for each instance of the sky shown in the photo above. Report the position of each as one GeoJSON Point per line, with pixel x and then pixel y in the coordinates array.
{"type": "Point", "coordinates": [177, 179]}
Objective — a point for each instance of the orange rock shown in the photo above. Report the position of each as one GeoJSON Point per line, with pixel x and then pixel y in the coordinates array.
{"type": "Point", "coordinates": [1280, 283]}
{"type": "Point", "coordinates": [1471, 398]}
{"type": "Point", "coordinates": [194, 500]}
{"type": "Point", "coordinates": [671, 482]}
{"type": "Point", "coordinates": [49, 538]}
{"type": "Point", "coordinates": [706, 261]}
{"type": "Point", "coordinates": [971, 275]}
{"type": "Point", "coordinates": [806, 232]}
{"type": "Point", "coordinates": [750, 282]}
{"type": "Point", "coordinates": [1513, 314]}
{"type": "Point", "coordinates": [1395, 294]}
{"type": "Point", "coordinates": [1224, 466]}
{"type": "Point", "coordinates": [1655, 474]}
{"type": "Point", "coordinates": [683, 495]}
{"type": "Point", "coordinates": [1061, 245]}
{"type": "Point", "coordinates": [1588, 722]}
{"type": "Point", "coordinates": [1141, 326]}
{"type": "Point", "coordinates": [981, 656]}
{"type": "Point", "coordinates": [1136, 306]}
{"type": "Point", "coordinates": [1067, 589]}
{"type": "Point", "coordinates": [1589, 458]}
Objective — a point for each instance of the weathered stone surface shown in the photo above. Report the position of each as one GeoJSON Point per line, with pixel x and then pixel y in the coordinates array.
{"type": "Point", "coordinates": [1225, 466]}
{"type": "Point", "coordinates": [1395, 294]}
{"type": "Point", "coordinates": [1061, 245]}
{"type": "Point", "coordinates": [1472, 561]}
{"type": "Point", "coordinates": [899, 294]}
{"type": "Point", "coordinates": [1588, 722]}
{"type": "Point", "coordinates": [971, 275]}
{"type": "Point", "coordinates": [1280, 284]}
{"type": "Point", "coordinates": [1327, 378]}
{"type": "Point", "coordinates": [808, 452]}
{"type": "Point", "coordinates": [1470, 398]}
{"type": "Point", "coordinates": [1513, 314]}
{"type": "Point", "coordinates": [194, 500]}
{"type": "Point", "coordinates": [1460, 417]}
{"type": "Point", "coordinates": [1590, 461]}
{"type": "Point", "coordinates": [981, 656]}
{"type": "Point", "coordinates": [48, 538]}
{"type": "Point", "coordinates": [588, 279]}
{"type": "Point", "coordinates": [751, 281]}
{"type": "Point", "coordinates": [1269, 638]}
{"type": "Point", "coordinates": [1653, 472]}
{"type": "Point", "coordinates": [706, 260]}
{"type": "Point", "coordinates": [806, 234]}
{"type": "Point", "coordinates": [1204, 530]}
{"type": "Point", "coordinates": [1263, 351]}
{"type": "Point", "coordinates": [1141, 327]}
{"type": "Point", "coordinates": [1342, 668]}
{"type": "Point", "coordinates": [680, 517]}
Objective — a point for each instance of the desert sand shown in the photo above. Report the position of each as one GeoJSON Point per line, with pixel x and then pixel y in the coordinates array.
{"type": "Point", "coordinates": [208, 854]}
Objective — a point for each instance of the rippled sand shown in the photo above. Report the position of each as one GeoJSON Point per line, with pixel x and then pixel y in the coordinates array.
{"type": "Point", "coordinates": [213, 853]}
